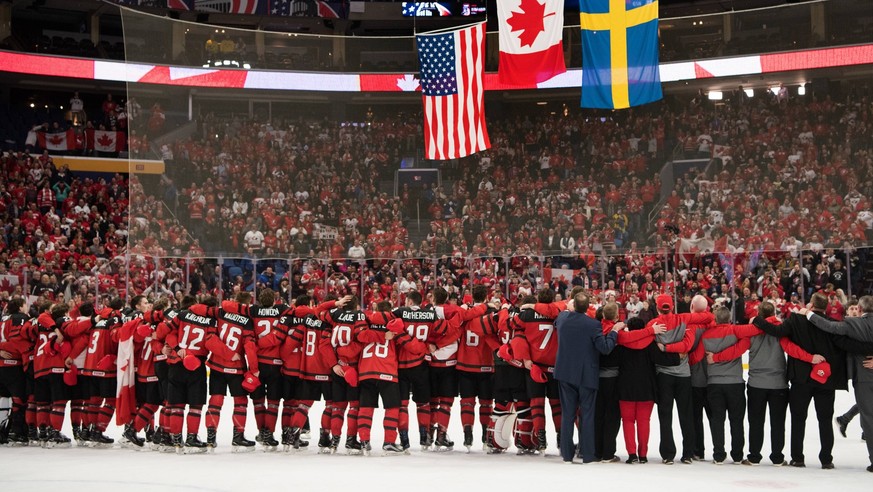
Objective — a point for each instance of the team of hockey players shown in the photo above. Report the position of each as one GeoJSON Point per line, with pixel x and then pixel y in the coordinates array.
{"type": "Point", "coordinates": [284, 358]}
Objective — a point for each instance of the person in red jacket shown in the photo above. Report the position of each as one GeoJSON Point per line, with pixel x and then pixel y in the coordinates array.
{"type": "Point", "coordinates": [377, 373]}
{"type": "Point", "coordinates": [149, 391]}
{"type": "Point", "coordinates": [13, 349]}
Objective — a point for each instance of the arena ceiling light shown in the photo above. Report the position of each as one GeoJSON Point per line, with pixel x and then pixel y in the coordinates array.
{"type": "Point", "coordinates": [749, 92]}
{"type": "Point", "coordinates": [801, 91]}
{"type": "Point", "coordinates": [715, 95]}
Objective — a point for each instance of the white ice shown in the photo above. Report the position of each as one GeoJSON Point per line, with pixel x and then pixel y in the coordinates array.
{"type": "Point", "coordinates": [123, 470]}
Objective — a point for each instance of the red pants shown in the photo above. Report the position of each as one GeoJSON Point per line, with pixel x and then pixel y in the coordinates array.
{"type": "Point", "coordinates": [635, 415]}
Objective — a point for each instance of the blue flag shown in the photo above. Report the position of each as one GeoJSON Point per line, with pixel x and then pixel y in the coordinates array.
{"type": "Point", "coordinates": [619, 53]}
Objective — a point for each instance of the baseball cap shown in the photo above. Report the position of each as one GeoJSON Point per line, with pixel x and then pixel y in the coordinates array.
{"type": "Point", "coordinates": [821, 372]}
{"type": "Point", "coordinates": [664, 301]}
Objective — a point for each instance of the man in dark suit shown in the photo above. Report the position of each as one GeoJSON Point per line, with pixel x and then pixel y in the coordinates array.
{"type": "Point", "coordinates": [577, 369]}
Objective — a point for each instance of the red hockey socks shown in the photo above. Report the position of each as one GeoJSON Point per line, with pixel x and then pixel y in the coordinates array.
{"type": "Point", "coordinates": [468, 411]}
{"type": "Point", "coordinates": [213, 411]}
{"type": "Point", "coordinates": [175, 417]}
{"type": "Point", "coordinates": [260, 412]}
{"type": "Point", "coordinates": [326, 415]}
{"type": "Point", "coordinates": [423, 414]}
{"type": "Point", "coordinates": [337, 415]}
{"type": "Point", "coordinates": [556, 414]}
{"type": "Point", "coordinates": [299, 418]}
{"type": "Point", "coordinates": [240, 411]}
{"type": "Point", "coordinates": [164, 418]}
{"type": "Point", "coordinates": [289, 408]}
{"type": "Point", "coordinates": [30, 413]}
{"type": "Point", "coordinates": [486, 408]}
{"type": "Point", "coordinates": [352, 426]}
{"type": "Point", "coordinates": [144, 417]}
{"type": "Point", "coordinates": [105, 416]}
{"type": "Point", "coordinates": [77, 412]}
{"type": "Point", "coordinates": [43, 414]}
{"type": "Point", "coordinates": [443, 413]}
{"type": "Point", "coordinates": [404, 415]}
{"type": "Point", "coordinates": [392, 418]}
{"type": "Point", "coordinates": [57, 414]}
{"type": "Point", "coordinates": [192, 423]}
{"type": "Point", "coordinates": [271, 415]}
{"type": "Point", "coordinates": [365, 422]}
{"type": "Point", "coordinates": [538, 413]}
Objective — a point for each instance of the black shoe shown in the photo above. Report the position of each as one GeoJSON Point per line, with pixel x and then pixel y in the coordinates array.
{"type": "Point", "coordinates": [32, 434]}
{"type": "Point", "coordinates": [749, 462]}
{"type": "Point", "coordinates": [99, 438]}
{"type": "Point", "coordinates": [541, 440]}
{"type": "Point", "coordinates": [797, 464]}
{"type": "Point", "coordinates": [363, 446]}
{"type": "Point", "coordinates": [827, 466]}
{"type": "Point", "coordinates": [667, 461]}
{"type": "Point", "coordinates": [484, 435]}
{"type": "Point", "coordinates": [391, 448]}
{"type": "Point", "coordinates": [168, 440]}
{"type": "Point", "coordinates": [176, 441]}
{"type": "Point", "coordinates": [267, 439]}
{"type": "Point", "coordinates": [687, 461]}
{"type": "Point", "coordinates": [614, 459]}
{"type": "Point", "coordinates": [842, 424]}
{"type": "Point", "coordinates": [558, 439]}
{"type": "Point", "coordinates": [57, 439]}
{"type": "Point", "coordinates": [643, 460]}
{"type": "Point", "coordinates": [77, 431]}
{"type": "Point", "coordinates": [443, 441]}
{"type": "Point", "coordinates": [468, 436]}
{"type": "Point", "coordinates": [193, 441]}
{"type": "Point", "coordinates": [334, 443]}
{"type": "Point", "coordinates": [324, 439]}
{"type": "Point", "coordinates": [239, 439]}
{"type": "Point", "coordinates": [425, 438]}
{"type": "Point", "coordinates": [286, 437]}
{"type": "Point", "coordinates": [404, 439]}
{"type": "Point", "coordinates": [294, 436]}
{"type": "Point", "coordinates": [211, 438]}
{"type": "Point", "coordinates": [43, 435]}
{"type": "Point", "coordinates": [130, 435]}
{"type": "Point", "coordinates": [150, 435]}
{"type": "Point", "coordinates": [352, 444]}
{"type": "Point", "coordinates": [870, 468]}
{"type": "Point", "coordinates": [632, 459]}
{"type": "Point", "coordinates": [698, 457]}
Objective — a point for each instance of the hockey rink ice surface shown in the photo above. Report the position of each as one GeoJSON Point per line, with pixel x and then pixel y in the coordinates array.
{"type": "Point", "coordinates": [123, 470]}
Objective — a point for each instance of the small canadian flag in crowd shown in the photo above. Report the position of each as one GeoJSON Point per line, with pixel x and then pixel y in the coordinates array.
{"type": "Point", "coordinates": [60, 141]}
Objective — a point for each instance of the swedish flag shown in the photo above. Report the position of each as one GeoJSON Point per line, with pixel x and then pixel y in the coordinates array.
{"type": "Point", "coordinates": [619, 53]}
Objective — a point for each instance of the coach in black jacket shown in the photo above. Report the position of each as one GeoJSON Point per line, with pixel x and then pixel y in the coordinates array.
{"type": "Point", "coordinates": [577, 368]}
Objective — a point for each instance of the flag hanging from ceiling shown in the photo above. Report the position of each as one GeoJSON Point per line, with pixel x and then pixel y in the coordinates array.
{"type": "Point", "coordinates": [619, 53]}
{"type": "Point", "coordinates": [452, 68]}
{"type": "Point", "coordinates": [531, 50]}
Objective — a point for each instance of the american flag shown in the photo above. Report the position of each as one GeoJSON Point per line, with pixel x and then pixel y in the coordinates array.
{"type": "Point", "coordinates": [452, 67]}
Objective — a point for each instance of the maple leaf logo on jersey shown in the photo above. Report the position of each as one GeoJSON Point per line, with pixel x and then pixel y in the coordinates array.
{"type": "Point", "coordinates": [105, 140]}
{"type": "Point", "coordinates": [529, 21]}
{"type": "Point", "coordinates": [56, 139]}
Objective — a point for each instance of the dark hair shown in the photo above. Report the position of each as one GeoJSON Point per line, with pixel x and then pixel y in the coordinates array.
{"type": "Point", "coordinates": [414, 296]}
{"type": "Point", "coordinates": [15, 305]}
{"type": "Point", "coordinates": [161, 304]}
{"type": "Point", "coordinates": [116, 303]}
{"type": "Point", "coordinates": [819, 302]}
{"type": "Point", "coordinates": [766, 309]}
{"type": "Point", "coordinates": [546, 296]}
{"type": "Point", "coordinates": [635, 323]}
{"type": "Point", "coordinates": [383, 306]}
{"type": "Point", "coordinates": [440, 295]}
{"type": "Point", "coordinates": [527, 300]}
{"type": "Point", "coordinates": [266, 298]}
{"type": "Point", "coordinates": [209, 301]}
{"type": "Point", "coordinates": [86, 309]}
{"type": "Point", "coordinates": [187, 302]}
{"type": "Point", "coordinates": [134, 301]}
{"type": "Point", "coordinates": [303, 300]}
{"type": "Point", "coordinates": [479, 293]}
{"type": "Point", "coordinates": [244, 298]}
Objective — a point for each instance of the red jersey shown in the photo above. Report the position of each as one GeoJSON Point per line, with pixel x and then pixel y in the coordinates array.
{"type": "Point", "coordinates": [188, 331]}
{"type": "Point", "coordinates": [474, 353]}
{"type": "Point", "coordinates": [340, 345]}
{"type": "Point", "coordinates": [311, 333]}
{"type": "Point", "coordinates": [47, 360]}
{"type": "Point", "coordinates": [534, 338]}
{"type": "Point", "coordinates": [102, 341]}
{"type": "Point", "coordinates": [424, 325]}
{"type": "Point", "coordinates": [234, 336]}
{"type": "Point", "coordinates": [268, 334]}
{"type": "Point", "coordinates": [378, 358]}
{"type": "Point", "coordinates": [12, 339]}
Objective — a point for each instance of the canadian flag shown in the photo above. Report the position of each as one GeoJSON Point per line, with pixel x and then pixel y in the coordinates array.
{"type": "Point", "coordinates": [57, 141]}
{"type": "Point", "coordinates": [126, 367]}
{"type": "Point", "coordinates": [531, 50]}
{"type": "Point", "coordinates": [106, 141]}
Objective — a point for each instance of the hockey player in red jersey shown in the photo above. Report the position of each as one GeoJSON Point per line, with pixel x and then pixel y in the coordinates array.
{"type": "Point", "coordinates": [476, 371]}
{"type": "Point", "coordinates": [341, 350]}
{"type": "Point", "coordinates": [232, 356]}
{"type": "Point", "coordinates": [13, 349]}
{"type": "Point", "coordinates": [50, 392]}
{"type": "Point", "coordinates": [378, 377]}
{"type": "Point", "coordinates": [186, 343]}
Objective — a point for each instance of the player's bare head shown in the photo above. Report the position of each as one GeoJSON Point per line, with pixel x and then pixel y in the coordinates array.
{"type": "Point", "coordinates": [187, 302]}
{"type": "Point", "coordinates": [581, 302]}
{"type": "Point", "coordinates": [766, 309]}
{"type": "Point", "coordinates": [698, 304]}
{"type": "Point", "coordinates": [244, 298]}
{"type": "Point", "coordinates": [59, 310]}
{"type": "Point", "coordinates": [266, 298]}
{"type": "Point", "coordinates": [866, 304]}
{"type": "Point", "coordinates": [116, 303]}
{"type": "Point", "coordinates": [15, 305]}
{"type": "Point", "coordinates": [722, 315]}
{"type": "Point", "coordinates": [635, 323]}
{"type": "Point", "coordinates": [45, 306]}
{"type": "Point", "coordinates": [545, 296]}
{"type": "Point", "coordinates": [209, 301]}
{"type": "Point", "coordinates": [598, 315]}
{"type": "Point", "coordinates": [353, 303]}
{"type": "Point", "coordinates": [161, 304]}
{"type": "Point", "coordinates": [86, 309]}
{"type": "Point", "coordinates": [819, 302]}
{"type": "Point", "coordinates": [302, 300]}
{"type": "Point", "coordinates": [138, 302]}
{"type": "Point", "coordinates": [440, 296]}
{"type": "Point", "coordinates": [383, 306]}
{"type": "Point", "coordinates": [479, 293]}
{"type": "Point", "coordinates": [527, 300]}
{"type": "Point", "coordinates": [575, 290]}
{"type": "Point", "coordinates": [414, 297]}
{"type": "Point", "coordinates": [610, 311]}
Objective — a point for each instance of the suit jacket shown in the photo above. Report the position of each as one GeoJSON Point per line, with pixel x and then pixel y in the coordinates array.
{"type": "Point", "coordinates": [580, 343]}
{"type": "Point", "coordinates": [859, 331]}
